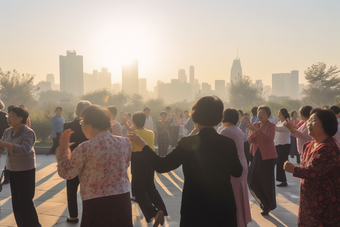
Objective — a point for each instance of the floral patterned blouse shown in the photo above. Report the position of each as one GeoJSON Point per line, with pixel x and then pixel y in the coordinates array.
{"type": "Point", "coordinates": [101, 164]}
{"type": "Point", "coordinates": [319, 203]}
{"type": "Point", "coordinates": [163, 127]}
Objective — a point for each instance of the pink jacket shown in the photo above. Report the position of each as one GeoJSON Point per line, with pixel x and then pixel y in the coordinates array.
{"type": "Point", "coordinates": [263, 139]}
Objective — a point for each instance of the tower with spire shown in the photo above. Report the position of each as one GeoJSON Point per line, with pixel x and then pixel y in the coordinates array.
{"type": "Point", "coordinates": [236, 69]}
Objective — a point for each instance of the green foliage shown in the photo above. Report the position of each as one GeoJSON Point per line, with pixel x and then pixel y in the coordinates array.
{"type": "Point", "coordinates": [40, 124]}
{"type": "Point", "coordinates": [243, 92]}
{"type": "Point", "coordinates": [17, 88]}
{"type": "Point", "coordinates": [323, 85]}
{"type": "Point", "coordinates": [56, 96]}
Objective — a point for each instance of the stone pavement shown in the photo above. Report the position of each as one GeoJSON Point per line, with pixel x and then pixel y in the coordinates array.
{"type": "Point", "coordinates": [50, 199]}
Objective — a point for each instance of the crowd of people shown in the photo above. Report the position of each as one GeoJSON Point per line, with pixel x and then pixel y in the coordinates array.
{"type": "Point", "coordinates": [223, 153]}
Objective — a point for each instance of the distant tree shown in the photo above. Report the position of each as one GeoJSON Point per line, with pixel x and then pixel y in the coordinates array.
{"type": "Point", "coordinates": [323, 85]}
{"type": "Point", "coordinates": [98, 97]}
{"type": "Point", "coordinates": [56, 96]}
{"type": "Point", "coordinates": [243, 92]}
{"type": "Point", "coordinates": [16, 88]}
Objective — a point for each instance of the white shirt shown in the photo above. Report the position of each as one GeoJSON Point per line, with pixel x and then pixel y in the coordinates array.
{"type": "Point", "coordinates": [282, 134]}
{"type": "Point", "coordinates": [185, 131]}
{"type": "Point", "coordinates": [148, 123]}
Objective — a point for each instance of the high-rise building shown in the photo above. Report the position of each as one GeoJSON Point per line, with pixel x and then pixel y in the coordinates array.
{"type": "Point", "coordinates": [182, 77]}
{"type": "Point", "coordinates": [44, 86]}
{"type": "Point", "coordinates": [71, 73]}
{"type": "Point", "coordinates": [104, 79]}
{"type": "Point", "coordinates": [259, 84]}
{"type": "Point", "coordinates": [174, 91]}
{"type": "Point", "coordinates": [90, 81]}
{"type": "Point", "coordinates": [206, 89]}
{"type": "Point", "coordinates": [220, 89]}
{"type": "Point", "coordinates": [50, 78]}
{"type": "Point", "coordinates": [192, 74]}
{"type": "Point", "coordinates": [236, 70]}
{"type": "Point", "coordinates": [130, 78]}
{"type": "Point", "coordinates": [286, 84]}
{"type": "Point", "coordinates": [142, 86]}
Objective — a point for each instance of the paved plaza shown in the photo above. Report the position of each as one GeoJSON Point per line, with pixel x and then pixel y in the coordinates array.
{"type": "Point", "coordinates": [51, 205]}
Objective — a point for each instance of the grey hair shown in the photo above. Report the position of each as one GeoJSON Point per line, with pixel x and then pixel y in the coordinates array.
{"type": "Point", "coordinates": [2, 105]}
{"type": "Point", "coordinates": [81, 105]}
{"type": "Point", "coordinates": [265, 108]}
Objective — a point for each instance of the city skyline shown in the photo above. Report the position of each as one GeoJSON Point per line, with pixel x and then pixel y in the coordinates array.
{"type": "Point", "coordinates": [270, 37]}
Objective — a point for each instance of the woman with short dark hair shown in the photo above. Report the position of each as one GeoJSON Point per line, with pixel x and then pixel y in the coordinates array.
{"type": "Point", "coordinates": [101, 164]}
{"type": "Point", "coordinates": [261, 171]}
{"type": "Point", "coordinates": [282, 143]}
{"type": "Point", "coordinates": [77, 138]}
{"type": "Point", "coordinates": [208, 160]}
{"type": "Point", "coordinates": [18, 141]}
{"type": "Point", "coordinates": [319, 203]}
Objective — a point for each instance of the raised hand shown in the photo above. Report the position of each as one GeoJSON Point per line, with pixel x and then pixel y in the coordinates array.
{"type": "Point", "coordinates": [64, 141]}
{"type": "Point", "coordinates": [123, 118]}
{"type": "Point", "coordinates": [289, 125]}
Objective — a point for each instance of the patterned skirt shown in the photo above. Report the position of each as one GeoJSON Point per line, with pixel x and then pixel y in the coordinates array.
{"type": "Point", "coordinates": [114, 210]}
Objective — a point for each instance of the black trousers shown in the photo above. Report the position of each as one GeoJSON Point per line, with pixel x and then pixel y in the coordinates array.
{"type": "Point", "coordinates": [55, 143]}
{"type": "Point", "coordinates": [72, 188]}
{"type": "Point", "coordinates": [6, 174]}
{"type": "Point", "coordinates": [23, 188]}
{"type": "Point", "coordinates": [261, 181]}
{"type": "Point", "coordinates": [147, 195]}
{"type": "Point", "coordinates": [174, 135]}
{"type": "Point", "coordinates": [282, 153]}
{"type": "Point", "coordinates": [246, 151]}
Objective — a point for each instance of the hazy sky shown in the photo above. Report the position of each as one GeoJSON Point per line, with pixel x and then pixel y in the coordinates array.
{"type": "Point", "coordinates": [271, 36]}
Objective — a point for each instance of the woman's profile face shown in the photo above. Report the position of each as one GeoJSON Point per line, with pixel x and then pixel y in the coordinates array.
{"type": "Point", "coordinates": [280, 116]}
{"type": "Point", "coordinates": [314, 126]}
{"type": "Point", "coordinates": [262, 115]}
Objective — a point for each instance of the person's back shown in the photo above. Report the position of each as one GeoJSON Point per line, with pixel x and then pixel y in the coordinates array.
{"type": "Point", "coordinates": [104, 160]}
{"type": "Point", "coordinates": [207, 167]}
{"type": "Point", "coordinates": [148, 136]}
{"type": "Point", "coordinates": [78, 136]}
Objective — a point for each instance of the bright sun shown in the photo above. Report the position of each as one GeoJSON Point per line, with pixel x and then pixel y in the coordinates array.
{"type": "Point", "coordinates": [123, 51]}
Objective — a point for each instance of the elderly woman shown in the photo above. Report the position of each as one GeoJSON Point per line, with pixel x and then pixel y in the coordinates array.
{"type": "Point", "coordinates": [101, 164]}
{"type": "Point", "coordinates": [18, 141]}
{"type": "Point", "coordinates": [261, 171]}
{"type": "Point", "coordinates": [240, 187]}
{"type": "Point", "coordinates": [77, 138]}
{"type": "Point", "coordinates": [319, 203]}
{"type": "Point", "coordinates": [208, 160]}
{"type": "Point", "coordinates": [282, 143]}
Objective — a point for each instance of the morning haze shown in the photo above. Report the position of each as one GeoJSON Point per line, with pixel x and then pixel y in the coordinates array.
{"type": "Point", "coordinates": [268, 37]}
